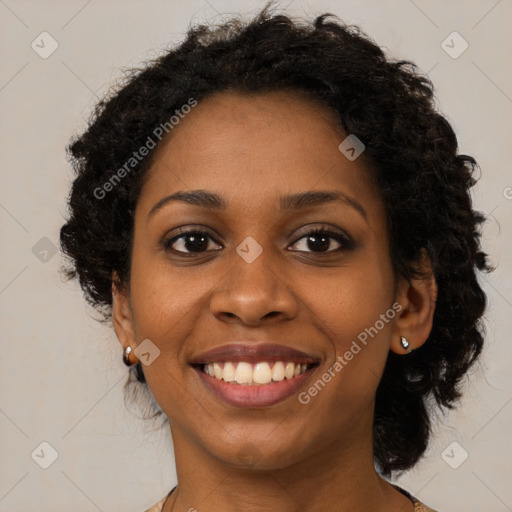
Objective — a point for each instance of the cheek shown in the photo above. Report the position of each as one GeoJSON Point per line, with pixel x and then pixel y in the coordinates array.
{"type": "Point", "coordinates": [354, 312]}
{"type": "Point", "coordinates": [166, 309]}
{"type": "Point", "coordinates": [169, 305]}
{"type": "Point", "coordinates": [350, 301]}
{"type": "Point", "coordinates": [165, 303]}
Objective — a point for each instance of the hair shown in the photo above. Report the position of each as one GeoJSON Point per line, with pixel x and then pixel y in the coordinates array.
{"type": "Point", "coordinates": [410, 147]}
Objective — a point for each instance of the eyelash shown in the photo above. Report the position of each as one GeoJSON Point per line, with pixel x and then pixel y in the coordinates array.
{"type": "Point", "coordinates": [346, 243]}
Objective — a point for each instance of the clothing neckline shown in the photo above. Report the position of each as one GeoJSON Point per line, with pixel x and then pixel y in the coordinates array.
{"type": "Point", "coordinates": [407, 494]}
{"type": "Point", "coordinates": [167, 497]}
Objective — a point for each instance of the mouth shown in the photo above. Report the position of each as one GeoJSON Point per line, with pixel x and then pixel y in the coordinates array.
{"type": "Point", "coordinates": [245, 373]}
{"type": "Point", "coordinates": [248, 375]}
{"type": "Point", "coordinates": [243, 391]}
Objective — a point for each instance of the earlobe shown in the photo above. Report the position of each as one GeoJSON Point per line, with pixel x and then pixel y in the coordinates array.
{"type": "Point", "coordinates": [122, 315]}
{"type": "Point", "coordinates": [418, 298]}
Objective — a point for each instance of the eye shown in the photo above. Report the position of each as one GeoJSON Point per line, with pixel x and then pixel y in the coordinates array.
{"type": "Point", "coordinates": [318, 240]}
{"type": "Point", "coordinates": [192, 241]}
{"type": "Point", "coordinates": [321, 240]}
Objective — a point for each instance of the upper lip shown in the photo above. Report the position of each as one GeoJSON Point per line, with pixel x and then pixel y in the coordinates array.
{"type": "Point", "coordinates": [253, 353]}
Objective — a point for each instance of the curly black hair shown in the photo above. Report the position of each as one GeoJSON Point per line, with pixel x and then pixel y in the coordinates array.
{"type": "Point", "coordinates": [411, 150]}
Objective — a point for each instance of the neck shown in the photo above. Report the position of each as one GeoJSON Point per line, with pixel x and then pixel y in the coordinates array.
{"type": "Point", "coordinates": [338, 477]}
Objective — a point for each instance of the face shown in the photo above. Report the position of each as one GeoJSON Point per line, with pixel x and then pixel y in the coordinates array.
{"type": "Point", "coordinates": [323, 276]}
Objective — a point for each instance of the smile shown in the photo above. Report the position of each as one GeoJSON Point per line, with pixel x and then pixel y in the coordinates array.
{"type": "Point", "coordinates": [262, 373]}
{"type": "Point", "coordinates": [243, 390]}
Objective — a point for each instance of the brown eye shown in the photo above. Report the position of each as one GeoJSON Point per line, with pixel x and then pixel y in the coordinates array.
{"type": "Point", "coordinates": [190, 242]}
{"type": "Point", "coordinates": [321, 240]}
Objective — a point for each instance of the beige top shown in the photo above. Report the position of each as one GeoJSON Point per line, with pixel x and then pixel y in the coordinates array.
{"type": "Point", "coordinates": [418, 506]}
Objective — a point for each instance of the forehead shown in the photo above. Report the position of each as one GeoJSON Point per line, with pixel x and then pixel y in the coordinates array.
{"type": "Point", "coordinates": [247, 147]}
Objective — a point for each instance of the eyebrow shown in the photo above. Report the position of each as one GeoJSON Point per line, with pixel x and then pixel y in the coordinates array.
{"type": "Point", "coordinates": [289, 202]}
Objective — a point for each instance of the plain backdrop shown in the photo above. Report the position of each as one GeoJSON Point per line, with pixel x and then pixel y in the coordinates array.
{"type": "Point", "coordinates": [61, 372]}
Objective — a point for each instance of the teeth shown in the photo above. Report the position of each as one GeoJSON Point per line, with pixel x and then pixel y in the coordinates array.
{"type": "Point", "coordinates": [217, 370]}
{"type": "Point", "coordinates": [243, 373]}
{"type": "Point", "coordinates": [260, 373]}
{"type": "Point", "coordinates": [278, 371]}
{"type": "Point", "coordinates": [228, 373]}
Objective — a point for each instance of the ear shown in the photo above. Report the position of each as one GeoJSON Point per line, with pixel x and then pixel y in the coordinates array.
{"type": "Point", "coordinates": [122, 314]}
{"type": "Point", "coordinates": [418, 300]}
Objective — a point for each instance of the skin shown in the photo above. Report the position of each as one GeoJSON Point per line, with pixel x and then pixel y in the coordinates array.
{"type": "Point", "coordinates": [252, 149]}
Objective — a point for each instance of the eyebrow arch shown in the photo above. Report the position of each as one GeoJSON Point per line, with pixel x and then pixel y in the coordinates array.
{"type": "Point", "coordinates": [317, 198]}
{"type": "Point", "coordinates": [290, 202]}
{"type": "Point", "coordinates": [193, 197]}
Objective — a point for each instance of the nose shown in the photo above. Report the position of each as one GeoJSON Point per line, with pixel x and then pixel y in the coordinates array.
{"type": "Point", "coordinates": [253, 293]}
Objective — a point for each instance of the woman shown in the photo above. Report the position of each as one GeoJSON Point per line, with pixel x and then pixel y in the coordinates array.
{"type": "Point", "coordinates": [276, 219]}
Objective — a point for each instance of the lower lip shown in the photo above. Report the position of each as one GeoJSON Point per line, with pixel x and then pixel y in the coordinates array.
{"type": "Point", "coordinates": [243, 395]}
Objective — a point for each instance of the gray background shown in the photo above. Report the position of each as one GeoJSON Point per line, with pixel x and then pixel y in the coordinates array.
{"type": "Point", "coordinates": [61, 373]}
